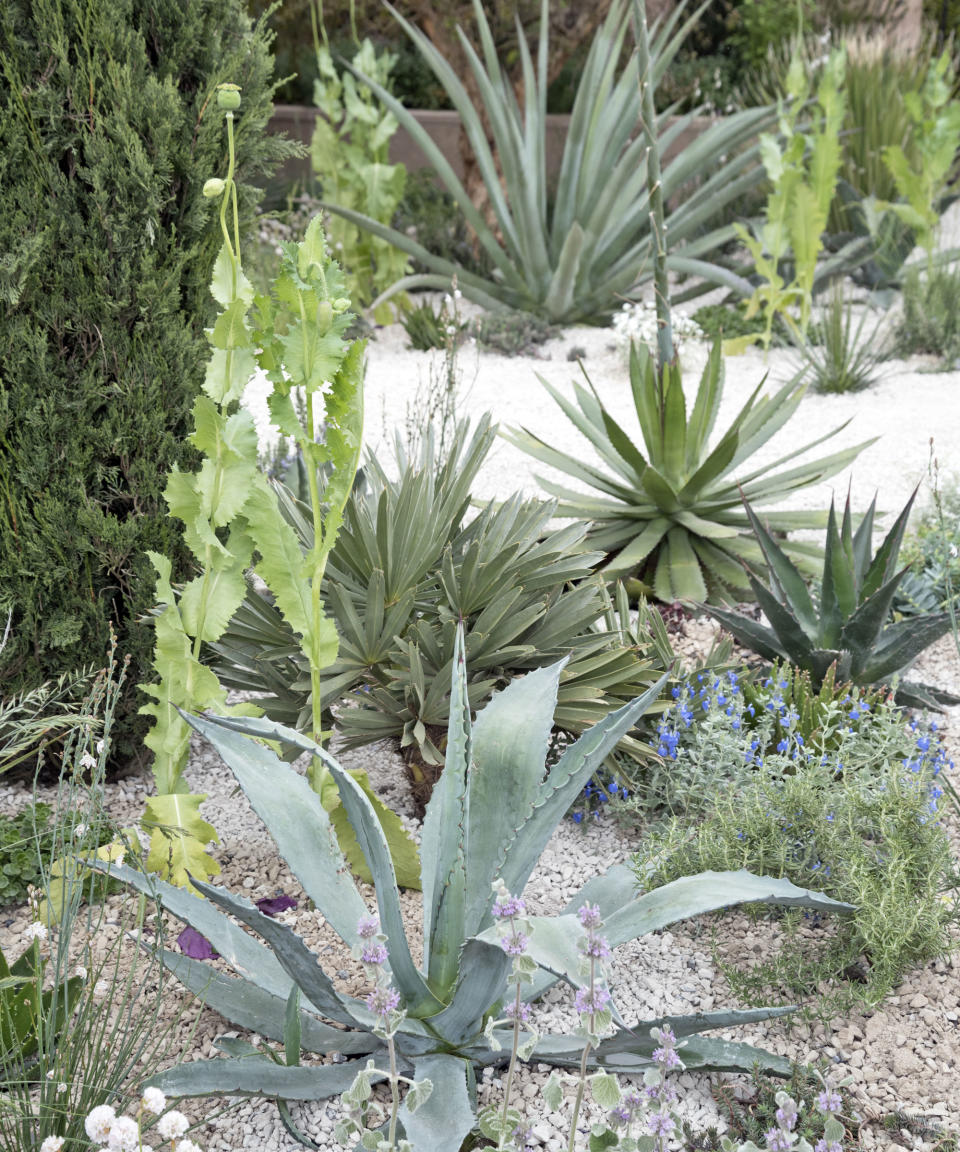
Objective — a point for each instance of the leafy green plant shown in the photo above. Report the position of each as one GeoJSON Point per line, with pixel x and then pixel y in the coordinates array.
{"type": "Point", "coordinates": [932, 552]}
{"type": "Point", "coordinates": [407, 568]}
{"type": "Point", "coordinates": [859, 817]}
{"type": "Point", "coordinates": [513, 333]}
{"type": "Point", "coordinates": [106, 137]}
{"type": "Point", "coordinates": [849, 625]}
{"type": "Point", "coordinates": [430, 215]}
{"type": "Point", "coordinates": [931, 314]}
{"type": "Point", "coordinates": [22, 838]}
{"type": "Point", "coordinates": [350, 156]}
{"type": "Point", "coordinates": [802, 170]}
{"type": "Point", "coordinates": [673, 516]}
{"type": "Point", "coordinates": [729, 321]}
{"type": "Point", "coordinates": [231, 515]}
{"type": "Point", "coordinates": [484, 828]}
{"type": "Point", "coordinates": [844, 357]}
{"type": "Point", "coordinates": [91, 1006]}
{"type": "Point", "coordinates": [574, 257]}
{"type": "Point", "coordinates": [430, 325]}
{"type": "Point", "coordinates": [921, 179]}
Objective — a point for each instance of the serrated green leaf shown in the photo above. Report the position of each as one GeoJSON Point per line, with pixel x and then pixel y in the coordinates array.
{"type": "Point", "coordinates": [178, 840]}
{"type": "Point", "coordinates": [605, 1090]}
{"type": "Point", "coordinates": [230, 329]}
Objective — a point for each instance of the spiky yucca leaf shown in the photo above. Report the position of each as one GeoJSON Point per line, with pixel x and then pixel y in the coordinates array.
{"type": "Point", "coordinates": [671, 513]}
{"type": "Point", "coordinates": [848, 633]}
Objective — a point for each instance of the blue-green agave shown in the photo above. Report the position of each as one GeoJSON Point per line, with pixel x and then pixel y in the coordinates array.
{"type": "Point", "coordinates": [490, 817]}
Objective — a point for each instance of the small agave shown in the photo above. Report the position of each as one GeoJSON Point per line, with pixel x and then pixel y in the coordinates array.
{"type": "Point", "coordinates": [849, 629]}
{"type": "Point", "coordinates": [490, 816]}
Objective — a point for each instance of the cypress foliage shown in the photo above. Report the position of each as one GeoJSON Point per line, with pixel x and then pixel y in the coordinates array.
{"type": "Point", "coordinates": [108, 129]}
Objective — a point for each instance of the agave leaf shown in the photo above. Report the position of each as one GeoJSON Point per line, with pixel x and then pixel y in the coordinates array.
{"type": "Point", "coordinates": [864, 629]}
{"type": "Point", "coordinates": [884, 563]}
{"type": "Point", "coordinates": [300, 964]}
{"type": "Point", "coordinates": [902, 642]}
{"type": "Point", "coordinates": [684, 1026]}
{"type": "Point", "coordinates": [510, 739]}
{"type": "Point", "coordinates": [678, 575]}
{"type": "Point", "coordinates": [789, 579]}
{"type": "Point", "coordinates": [247, 1076]}
{"type": "Point", "coordinates": [244, 1004]}
{"type": "Point", "coordinates": [639, 548]}
{"type": "Point", "coordinates": [297, 820]}
{"type": "Point", "coordinates": [751, 634]}
{"type": "Point", "coordinates": [838, 596]}
{"type": "Point", "coordinates": [705, 409]}
{"type": "Point", "coordinates": [862, 543]}
{"type": "Point", "coordinates": [481, 981]}
{"type": "Point", "coordinates": [700, 1052]}
{"type": "Point", "coordinates": [913, 695]}
{"type": "Point", "coordinates": [446, 1118]}
{"type": "Point", "coordinates": [791, 637]}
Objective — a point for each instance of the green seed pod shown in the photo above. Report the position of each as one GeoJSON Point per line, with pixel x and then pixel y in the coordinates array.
{"type": "Point", "coordinates": [228, 96]}
{"type": "Point", "coordinates": [214, 188]}
{"type": "Point", "coordinates": [341, 304]}
{"type": "Point", "coordinates": [324, 316]}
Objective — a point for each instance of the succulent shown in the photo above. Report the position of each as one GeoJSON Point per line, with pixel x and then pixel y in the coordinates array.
{"type": "Point", "coordinates": [848, 627]}
{"type": "Point", "coordinates": [573, 256]}
{"type": "Point", "coordinates": [406, 568]}
{"type": "Point", "coordinates": [488, 821]}
{"type": "Point", "coordinates": [673, 517]}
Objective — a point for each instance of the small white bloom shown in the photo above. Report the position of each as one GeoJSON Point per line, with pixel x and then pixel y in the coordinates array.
{"type": "Point", "coordinates": [50, 1074]}
{"type": "Point", "coordinates": [36, 931]}
{"type": "Point", "coordinates": [457, 294]}
{"type": "Point", "coordinates": [447, 298]}
{"type": "Point", "coordinates": [188, 1146]}
{"type": "Point", "coordinates": [100, 747]}
{"type": "Point", "coordinates": [153, 1100]}
{"type": "Point", "coordinates": [80, 830]}
{"type": "Point", "coordinates": [124, 1135]}
{"type": "Point", "coordinates": [99, 1123]}
{"type": "Point", "coordinates": [87, 761]}
{"type": "Point", "coordinates": [119, 861]}
{"type": "Point", "coordinates": [101, 988]}
{"type": "Point", "coordinates": [61, 1087]}
{"type": "Point", "coordinates": [52, 1144]}
{"type": "Point", "coordinates": [172, 1125]}
{"type": "Point", "coordinates": [81, 972]}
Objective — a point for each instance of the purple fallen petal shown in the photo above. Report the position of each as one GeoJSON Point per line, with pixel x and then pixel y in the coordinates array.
{"type": "Point", "coordinates": [195, 946]}
{"type": "Point", "coordinates": [274, 905]}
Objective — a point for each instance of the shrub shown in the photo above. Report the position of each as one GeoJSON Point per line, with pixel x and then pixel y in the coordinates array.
{"type": "Point", "coordinates": [931, 315]}
{"type": "Point", "coordinates": [845, 357]}
{"type": "Point", "coordinates": [859, 821]}
{"type": "Point", "coordinates": [106, 137]}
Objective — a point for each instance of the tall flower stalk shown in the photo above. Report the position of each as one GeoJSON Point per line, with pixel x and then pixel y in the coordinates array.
{"type": "Point", "coordinates": [592, 1001]}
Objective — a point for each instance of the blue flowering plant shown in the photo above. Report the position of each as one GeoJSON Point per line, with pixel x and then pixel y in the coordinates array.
{"type": "Point", "coordinates": [490, 816]}
{"type": "Point", "coordinates": [855, 810]}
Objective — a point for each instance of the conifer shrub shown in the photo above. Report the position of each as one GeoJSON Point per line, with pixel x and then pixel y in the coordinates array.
{"type": "Point", "coordinates": [108, 130]}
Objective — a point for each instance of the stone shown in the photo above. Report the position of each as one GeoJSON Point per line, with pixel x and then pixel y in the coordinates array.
{"type": "Point", "coordinates": [906, 1062]}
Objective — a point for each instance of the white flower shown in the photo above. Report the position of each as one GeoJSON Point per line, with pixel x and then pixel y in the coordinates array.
{"type": "Point", "coordinates": [188, 1146]}
{"type": "Point", "coordinates": [81, 972]}
{"type": "Point", "coordinates": [153, 1100]}
{"type": "Point", "coordinates": [61, 1087]}
{"type": "Point", "coordinates": [50, 1074]}
{"type": "Point", "coordinates": [36, 931]}
{"type": "Point", "coordinates": [87, 761]}
{"type": "Point", "coordinates": [173, 1125]}
{"type": "Point", "coordinates": [80, 830]}
{"type": "Point", "coordinates": [101, 988]}
{"type": "Point", "coordinates": [124, 1135]}
{"type": "Point", "coordinates": [99, 1123]}
{"type": "Point", "coordinates": [457, 294]}
{"type": "Point", "coordinates": [52, 1144]}
{"type": "Point", "coordinates": [100, 747]}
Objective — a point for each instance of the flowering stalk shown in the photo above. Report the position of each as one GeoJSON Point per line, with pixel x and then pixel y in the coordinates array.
{"type": "Point", "coordinates": [508, 911]}
{"type": "Point", "coordinates": [591, 1002]}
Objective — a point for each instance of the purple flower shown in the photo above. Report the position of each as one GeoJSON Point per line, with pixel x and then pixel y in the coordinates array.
{"type": "Point", "coordinates": [368, 927]}
{"type": "Point", "coordinates": [515, 944]}
{"type": "Point", "coordinates": [778, 1140]}
{"type": "Point", "coordinates": [666, 1058]}
{"type": "Point", "coordinates": [520, 1014]}
{"type": "Point", "coordinates": [383, 1001]}
{"type": "Point", "coordinates": [822, 1146]}
{"type": "Point", "coordinates": [596, 947]}
{"type": "Point", "coordinates": [195, 946]}
{"type": "Point", "coordinates": [507, 909]}
{"type": "Point", "coordinates": [829, 1101]}
{"type": "Point", "coordinates": [274, 905]}
{"type": "Point", "coordinates": [587, 1002]}
{"type": "Point", "coordinates": [786, 1116]}
{"type": "Point", "coordinates": [589, 916]}
{"type": "Point", "coordinates": [374, 954]}
{"type": "Point", "coordinates": [619, 1117]}
{"type": "Point", "coordinates": [660, 1124]}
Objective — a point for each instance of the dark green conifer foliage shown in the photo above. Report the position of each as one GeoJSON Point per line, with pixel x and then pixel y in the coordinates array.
{"type": "Point", "coordinates": [108, 129]}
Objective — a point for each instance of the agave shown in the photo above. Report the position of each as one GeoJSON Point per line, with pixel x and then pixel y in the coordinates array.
{"type": "Point", "coordinates": [674, 516]}
{"type": "Point", "coordinates": [847, 633]}
{"type": "Point", "coordinates": [489, 819]}
{"type": "Point", "coordinates": [573, 259]}
{"type": "Point", "coordinates": [406, 568]}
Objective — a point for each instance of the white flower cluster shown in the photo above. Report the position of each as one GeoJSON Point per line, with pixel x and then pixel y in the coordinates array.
{"type": "Point", "coordinates": [124, 1133]}
{"type": "Point", "coordinates": [637, 322]}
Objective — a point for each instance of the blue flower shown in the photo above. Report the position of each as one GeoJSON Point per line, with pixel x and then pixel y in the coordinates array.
{"type": "Point", "coordinates": [577, 817]}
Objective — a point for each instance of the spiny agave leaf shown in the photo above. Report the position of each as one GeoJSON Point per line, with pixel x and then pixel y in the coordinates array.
{"type": "Point", "coordinates": [244, 1004]}
{"type": "Point", "coordinates": [639, 548]}
{"type": "Point", "coordinates": [296, 959]}
{"type": "Point", "coordinates": [409, 981]}
{"type": "Point", "coordinates": [684, 1026]}
{"type": "Point", "coordinates": [245, 954]}
{"type": "Point", "coordinates": [790, 636]}
{"type": "Point", "coordinates": [902, 642]}
{"type": "Point", "coordinates": [863, 631]}
{"type": "Point", "coordinates": [700, 1052]}
{"type": "Point", "coordinates": [707, 892]}
{"type": "Point", "coordinates": [678, 575]}
{"type": "Point", "coordinates": [443, 868]}
{"type": "Point", "coordinates": [913, 695]}
{"type": "Point", "coordinates": [246, 1076]}
{"type": "Point", "coordinates": [787, 576]}
{"type": "Point", "coordinates": [481, 983]}
{"type": "Point", "coordinates": [443, 1121]}
{"type": "Point", "coordinates": [884, 563]}
{"type": "Point", "coordinates": [751, 634]}
{"type": "Point", "coordinates": [509, 747]}
{"type": "Point", "coordinates": [862, 544]}
{"type": "Point", "coordinates": [564, 780]}
{"type": "Point", "coordinates": [297, 821]}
